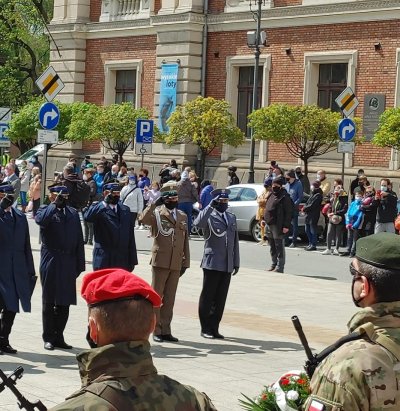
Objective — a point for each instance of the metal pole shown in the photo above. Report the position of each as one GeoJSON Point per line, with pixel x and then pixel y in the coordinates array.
{"type": "Point", "coordinates": [255, 89]}
{"type": "Point", "coordinates": [141, 165]}
{"type": "Point", "coordinates": [44, 169]}
{"type": "Point", "coordinates": [343, 157]}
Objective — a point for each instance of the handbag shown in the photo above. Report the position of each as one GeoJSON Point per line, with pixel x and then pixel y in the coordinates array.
{"type": "Point", "coordinates": [397, 223]}
{"type": "Point", "coordinates": [335, 219]}
{"type": "Point", "coordinates": [325, 209]}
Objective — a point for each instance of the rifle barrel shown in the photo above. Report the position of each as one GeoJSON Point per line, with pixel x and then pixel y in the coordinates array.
{"type": "Point", "coordinates": [302, 337]}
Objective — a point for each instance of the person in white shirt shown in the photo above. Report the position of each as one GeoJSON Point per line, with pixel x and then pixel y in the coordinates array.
{"type": "Point", "coordinates": [131, 196]}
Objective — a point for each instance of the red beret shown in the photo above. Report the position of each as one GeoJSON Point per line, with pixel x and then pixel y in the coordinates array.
{"type": "Point", "coordinates": [115, 284]}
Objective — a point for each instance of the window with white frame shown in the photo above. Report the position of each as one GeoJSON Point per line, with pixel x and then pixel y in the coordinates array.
{"type": "Point", "coordinates": [332, 81]}
{"type": "Point", "coordinates": [122, 81]}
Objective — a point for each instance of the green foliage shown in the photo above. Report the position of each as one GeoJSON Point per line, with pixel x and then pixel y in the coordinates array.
{"type": "Point", "coordinates": [388, 133]}
{"type": "Point", "coordinates": [82, 119]}
{"type": "Point", "coordinates": [206, 122]}
{"type": "Point", "coordinates": [115, 126]}
{"type": "Point", "coordinates": [307, 131]}
{"type": "Point", "coordinates": [24, 48]}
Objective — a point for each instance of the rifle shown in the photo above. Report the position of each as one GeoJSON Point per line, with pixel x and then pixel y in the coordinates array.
{"type": "Point", "coordinates": [313, 360]}
{"type": "Point", "coordinates": [10, 381]}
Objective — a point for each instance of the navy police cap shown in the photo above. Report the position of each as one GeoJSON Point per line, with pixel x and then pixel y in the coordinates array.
{"type": "Point", "coordinates": [221, 192]}
{"type": "Point", "coordinates": [6, 188]}
{"type": "Point", "coordinates": [169, 194]}
{"type": "Point", "coordinates": [111, 187]}
{"type": "Point", "coordinates": [59, 189]}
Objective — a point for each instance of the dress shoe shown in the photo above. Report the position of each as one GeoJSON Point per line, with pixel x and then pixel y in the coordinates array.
{"type": "Point", "coordinates": [169, 337]}
{"type": "Point", "coordinates": [218, 335]}
{"type": "Point", "coordinates": [278, 270]}
{"type": "Point", "coordinates": [62, 344]}
{"type": "Point", "coordinates": [272, 268]}
{"type": "Point", "coordinates": [311, 248]}
{"type": "Point", "coordinates": [7, 349]}
{"type": "Point", "coordinates": [158, 338]}
{"type": "Point", "coordinates": [48, 346]}
{"type": "Point", "coordinates": [344, 254]}
{"type": "Point", "coordinates": [207, 335]}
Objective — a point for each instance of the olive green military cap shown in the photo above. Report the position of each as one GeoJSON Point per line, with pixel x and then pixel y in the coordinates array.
{"type": "Point", "coordinates": [381, 250]}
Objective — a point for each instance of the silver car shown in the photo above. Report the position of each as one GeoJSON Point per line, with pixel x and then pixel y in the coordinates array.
{"type": "Point", "coordinates": [243, 203]}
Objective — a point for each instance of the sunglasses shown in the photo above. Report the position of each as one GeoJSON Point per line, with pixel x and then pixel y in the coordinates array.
{"type": "Point", "coordinates": [354, 272]}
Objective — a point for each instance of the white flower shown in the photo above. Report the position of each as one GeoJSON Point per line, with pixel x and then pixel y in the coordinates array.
{"type": "Point", "coordinates": [292, 395]}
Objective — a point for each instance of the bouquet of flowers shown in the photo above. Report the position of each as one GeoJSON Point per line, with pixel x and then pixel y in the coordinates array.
{"type": "Point", "coordinates": [289, 393]}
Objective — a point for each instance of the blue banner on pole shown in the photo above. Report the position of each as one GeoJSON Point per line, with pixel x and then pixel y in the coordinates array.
{"type": "Point", "coordinates": [169, 80]}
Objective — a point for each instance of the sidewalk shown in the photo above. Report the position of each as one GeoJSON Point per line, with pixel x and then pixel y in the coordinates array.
{"type": "Point", "coordinates": [260, 342]}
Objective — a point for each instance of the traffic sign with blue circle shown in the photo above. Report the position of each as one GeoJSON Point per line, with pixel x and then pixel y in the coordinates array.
{"type": "Point", "coordinates": [49, 116]}
{"type": "Point", "coordinates": [346, 129]}
{"type": "Point", "coordinates": [144, 131]}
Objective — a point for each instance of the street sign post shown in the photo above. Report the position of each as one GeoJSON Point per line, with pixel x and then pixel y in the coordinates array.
{"type": "Point", "coordinates": [144, 138]}
{"type": "Point", "coordinates": [346, 147]}
{"type": "Point", "coordinates": [4, 140]}
{"type": "Point", "coordinates": [47, 137]}
{"type": "Point", "coordinates": [49, 83]}
{"type": "Point", "coordinates": [346, 129]}
{"type": "Point", "coordinates": [347, 101]}
{"type": "Point", "coordinates": [49, 116]}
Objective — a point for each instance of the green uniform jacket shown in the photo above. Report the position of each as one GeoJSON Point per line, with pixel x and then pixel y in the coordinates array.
{"type": "Point", "coordinates": [363, 374]}
{"type": "Point", "coordinates": [122, 377]}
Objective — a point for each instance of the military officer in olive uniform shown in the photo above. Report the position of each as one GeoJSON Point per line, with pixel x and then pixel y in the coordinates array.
{"type": "Point", "coordinates": [363, 373]}
{"type": "Point", "coordinates": [170, 256]}
{"type": "Point", "coordinates": [118, 373]}
{"type": "Point", "coordinates": [220, 260]}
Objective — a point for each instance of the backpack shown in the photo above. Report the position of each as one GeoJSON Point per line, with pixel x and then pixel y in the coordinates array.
{"type": "Point", "coordinates": [80, 194]}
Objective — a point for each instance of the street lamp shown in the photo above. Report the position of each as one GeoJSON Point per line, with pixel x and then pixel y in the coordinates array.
{"type": "Point", "coordinates": [255, 40]}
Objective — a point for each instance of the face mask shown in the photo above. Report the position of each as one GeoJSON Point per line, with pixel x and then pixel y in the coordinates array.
{"type": "Point", "coordinates": [221, 207]}
{"type": "Point", "coordinates": [100, 170]}
{"type": "Point", "coordinates": [356, 302]}
{"type": "Point", "coordinates": [273, 175]}
{"type": "Point", "coordinates": [140, 175]}
{"type": "Point", "coordinates": [288, 180]}
{"type": "Point", "coordinates": [91, 343]}
{"type": "Point", "coordinates": [7, 201]}
{"type": "Point", "coordinates": [384, 188]}
{"type": "Point", "coordinates": [171, 205]}
{"type": "Point", "coordinates": [298, 173]}
{"type": "Point", "coordinates": [132, 182]}
{"type": "Point", "coordinates": [312, 188]}
{"type": "Point", "coordinates": [85, 177]}
{"type": "Point", "coordinates": [358, 199]}
{"type": "Point", "coordinates": [276, 189]}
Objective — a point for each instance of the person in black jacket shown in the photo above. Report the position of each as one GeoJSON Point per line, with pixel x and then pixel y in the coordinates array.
{"type": "Point", "coordinates": [277, 219]}
{"type": "Point", "coordinates": [312, 209]}
{"type": "Point", "coordinates": [386, 203]}
{"type": "Point", "coordinates": [233, 178]}
{"type": "Point", "coordinates": [369, 208]}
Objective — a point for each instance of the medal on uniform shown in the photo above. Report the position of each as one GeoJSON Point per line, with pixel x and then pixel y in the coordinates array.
{"type": "Point", "coordinates": [316, 406]}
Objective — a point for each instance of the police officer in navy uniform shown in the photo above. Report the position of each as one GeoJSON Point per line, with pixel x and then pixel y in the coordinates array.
{"type": "Point", "coordinates": [220, 260]}
{"type": "Point", "coordinates": [62, 259]}
{"type": "Point", "coordinates": [17, 274]}
{"type": "Point", "coordinates": [114, 235]}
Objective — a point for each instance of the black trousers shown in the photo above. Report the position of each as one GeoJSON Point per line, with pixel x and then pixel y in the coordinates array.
{"type": "Point", "coordinates": [54, 319]}
{"type": "Point", "coordinates": [6, 323]}
{"type": "Point", "coordinates": [212, 299]}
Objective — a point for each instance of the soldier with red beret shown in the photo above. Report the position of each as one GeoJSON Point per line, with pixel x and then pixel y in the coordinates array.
{"type": "Point", "coordinates": [118, 372]}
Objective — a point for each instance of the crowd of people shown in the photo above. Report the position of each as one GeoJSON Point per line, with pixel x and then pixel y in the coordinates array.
{"type": "Point", "coordinates": [348, 215]}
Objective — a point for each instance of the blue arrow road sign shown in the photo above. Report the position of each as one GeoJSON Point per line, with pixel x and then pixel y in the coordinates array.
{"type": "Point", "coordinates": [346, 129]}
{"type": "Point", "coordinates": [49, 116]}
{"type": "Point", "coordinates": [144, 131]}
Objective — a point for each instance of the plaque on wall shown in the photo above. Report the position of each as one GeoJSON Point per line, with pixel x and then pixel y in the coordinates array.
{"type": "Point", "coordinates": [374, 106]}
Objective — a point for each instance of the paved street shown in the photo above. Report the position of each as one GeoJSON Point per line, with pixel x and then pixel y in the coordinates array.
{"type": "Point", "coordinates": [261, 343]}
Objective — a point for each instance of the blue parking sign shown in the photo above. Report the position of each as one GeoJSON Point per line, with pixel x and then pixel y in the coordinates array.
{"type": "Point", "coordinates": [144, 131]}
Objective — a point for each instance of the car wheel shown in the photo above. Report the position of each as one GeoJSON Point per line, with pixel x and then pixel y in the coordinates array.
{"type": "Point", "coordinates": [195, 230]}
{"type": "Point", "coordinates": [256, 231]}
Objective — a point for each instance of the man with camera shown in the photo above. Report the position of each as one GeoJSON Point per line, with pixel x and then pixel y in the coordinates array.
{"type": "Point", "coordinates": [170, 256]}
{"type": "Point", "coordinates": [114, 234]}
{"type": "Point", "coordinates": [17, 277]}
{"type": "Point", "coordinates": [61, 262]}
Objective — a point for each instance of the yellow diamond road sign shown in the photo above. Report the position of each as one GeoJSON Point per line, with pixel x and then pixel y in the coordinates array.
{"type": "Point", "coordinates": [347, 101]}
{"type": "Point", "coordinates": [49, 83]}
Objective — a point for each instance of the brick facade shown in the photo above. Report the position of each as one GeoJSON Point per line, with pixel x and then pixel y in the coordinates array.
{"type": "Point", "coordinates": [286, 3]}
{"type": "Point", "coordinates": [95, 10]}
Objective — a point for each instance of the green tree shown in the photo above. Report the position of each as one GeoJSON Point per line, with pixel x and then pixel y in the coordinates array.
{"type": "Point", "coordinates": [388, 133]}
{"type": "Point", "coordinates": [307, 131]}
{"type": "Point", "coordinates": [24, 48]}
{"type": "Point", "coordinates": [206, 122]}
{"type": "Point", "coordinates": [115, 126]}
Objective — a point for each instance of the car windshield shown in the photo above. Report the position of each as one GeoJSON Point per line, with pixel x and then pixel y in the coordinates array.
{"type": "Point", "coordinates": [28, 154]}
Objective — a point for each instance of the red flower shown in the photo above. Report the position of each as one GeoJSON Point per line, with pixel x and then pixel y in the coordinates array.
{"type": "Point", "coordinates": [301, 381]}
{"type": "Point", "coordinates": [264, 397]}
{"type": "Point", "coordinates": [285, 381]}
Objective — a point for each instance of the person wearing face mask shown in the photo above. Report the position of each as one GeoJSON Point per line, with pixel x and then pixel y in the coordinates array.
{"type": "Point", "coordinates": [295, 189]}
{"type": "Point", "coordinates": [277, 219]}
{"type": "Point", "coordinates": [17, 278]}
{"type": "Point", "coordinates": [99, 178]}
{"type": "Point", "coordinates": [305, 182]}
{"type": "Point", "coordinates": [61, 263]}
{"type": "Point", "coordinates": [233, 178]}
{"type": "Point", "coordinates": [386, 204]}
{"type": "Point", "coordinates": [312, 210]}
{"type": "Point", "coordinates": [369, 207]}
{"type": "Point", "coordinates": [170, 256]}
{"type": "Point", "coordinates": [361, 372]}
{"type": "Point", "coordinates": [88, 174]}
{"type": "Point", "coordinates": [354, 219]}
{"type": "Point", "coordinates": [121, 317]}
{"type": "Point", "coordinates": [114, 234]}
{"type": "Point", "coordinates": [220, 261]}
{"type": "Point", "coordinates": [131, 196]}
{"type": "Point", "coordinates": [336, 215]}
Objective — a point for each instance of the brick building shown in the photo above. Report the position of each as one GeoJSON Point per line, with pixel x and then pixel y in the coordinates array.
{"type": "Point", "coordinates": [113, 50]}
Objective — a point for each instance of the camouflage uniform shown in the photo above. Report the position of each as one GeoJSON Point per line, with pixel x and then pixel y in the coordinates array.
{"type": "Point", "coordinates": [363, 374]}
{"type": "Point", "coordinates": [122, 377]}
